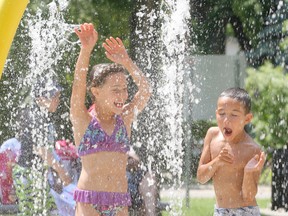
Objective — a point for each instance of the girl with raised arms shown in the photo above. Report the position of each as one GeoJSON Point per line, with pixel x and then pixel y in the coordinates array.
{"type": "Point", "coordinates": [103, 137]}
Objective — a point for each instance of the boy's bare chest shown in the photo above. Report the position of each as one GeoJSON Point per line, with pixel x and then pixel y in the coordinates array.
{"type": "Point", "coordinates": [241, 153]}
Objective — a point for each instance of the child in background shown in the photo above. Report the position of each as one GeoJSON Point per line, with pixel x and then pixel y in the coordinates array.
{"type": "Point", "coordinates": [35, 129]}
{"type": "Point", "coordinates": [103, 138]}
{"type": "Point", "coordinates": [231, 157]}
{"type": "Point", "coordinates": [64, 164]}
{"type": "Point", "coordinates": [9, 154]}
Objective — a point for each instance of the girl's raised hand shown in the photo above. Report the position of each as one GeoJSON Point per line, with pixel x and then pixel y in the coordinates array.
{"type": "Point", "coordinates": [115, 50]}
{"type": "Point", "coordinates": [88, 36]}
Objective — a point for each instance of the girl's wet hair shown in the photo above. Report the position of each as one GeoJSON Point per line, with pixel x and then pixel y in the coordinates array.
{"type": "Point", "coordinates": [240, 95]}
{"type": "Point", "coordinates": [100, 72]}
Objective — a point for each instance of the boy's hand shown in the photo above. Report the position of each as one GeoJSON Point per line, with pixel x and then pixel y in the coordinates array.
{"type": "Point", "coordinates": [115, 51]}
{"type": "Point", "coordinates": [256, 163]}
{"type": "Point", "coordinates": [88, 36]}
{"type": "Point", "coordinates": [226, 156]}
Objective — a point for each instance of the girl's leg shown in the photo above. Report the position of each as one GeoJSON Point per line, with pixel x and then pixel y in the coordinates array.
{"type": "Point", "coordinates": [123, 211]}
{"type": "Point", "coordinates": [85, 209]}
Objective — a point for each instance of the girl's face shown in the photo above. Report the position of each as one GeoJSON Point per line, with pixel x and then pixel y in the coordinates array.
{"type": "Point", "coordinates": [112, 95]}
{"type": "Point", "coordinates": [231, 118]}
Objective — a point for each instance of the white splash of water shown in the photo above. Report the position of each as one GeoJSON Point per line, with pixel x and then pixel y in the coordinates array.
{"type": "Point", "coordinates": [165, 140]}
{"type": "Point", "coordinates": [48, 43]}
{"type": "Point", "coordinates": [175, 34]}
{"type": "Point", "coordinates": [48, 37]}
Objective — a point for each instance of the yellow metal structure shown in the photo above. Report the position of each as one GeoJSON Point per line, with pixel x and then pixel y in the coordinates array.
{"type": "Point", "coordinates": [11, 12]}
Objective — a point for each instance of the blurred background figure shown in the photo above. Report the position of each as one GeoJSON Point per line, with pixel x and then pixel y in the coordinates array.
{"type": "Point", "coordinates": [35, 129]}
{"type": "Point", "coordinates": [64, 170]}
{"type": "Point", "coordinates": [9, 155]}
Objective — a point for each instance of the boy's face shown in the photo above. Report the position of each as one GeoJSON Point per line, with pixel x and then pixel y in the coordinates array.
{"type": "Point", "coordinates": [231, 118]}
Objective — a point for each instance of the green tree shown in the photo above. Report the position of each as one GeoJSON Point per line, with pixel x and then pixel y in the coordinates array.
{"type": "Point", "coordinates": [210, 20]}
{"type": "Point", "coordinates": [273, 42]}
{"type": "Point", "coordinates": [268, 86]}
{"type": "Point", "coordinates": [110, 18]}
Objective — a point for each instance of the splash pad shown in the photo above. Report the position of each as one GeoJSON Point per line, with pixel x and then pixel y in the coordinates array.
{"type": "Point", "coordinates": [44, 54]}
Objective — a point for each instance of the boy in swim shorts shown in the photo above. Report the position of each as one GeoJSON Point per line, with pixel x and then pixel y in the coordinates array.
{"type": "Point", "coordinates": [231, 158]}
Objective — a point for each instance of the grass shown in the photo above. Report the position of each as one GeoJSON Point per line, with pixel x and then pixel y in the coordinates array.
{"type": "Point", "coordinates": [266, 176]}
{"type": "Point", "coordinates": [205, 206]}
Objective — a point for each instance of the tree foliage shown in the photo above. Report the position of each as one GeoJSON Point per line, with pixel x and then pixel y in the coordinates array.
{"type": "Point", "coordinates": [210, 19]}
{"type": "Point", "coordinates": [272, 43]}
{"type": "Point", "coordinates": [268, 86]}
{"type": "Point", "coordinates": [110, 18]}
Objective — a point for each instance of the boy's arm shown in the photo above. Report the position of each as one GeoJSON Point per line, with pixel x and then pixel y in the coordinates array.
{"type": "Point", "coordinates": [251, 177]}
{"type": "Point", "coordinates": [116, 52]}
{"type": "Point", "coordinates": [206, 167]}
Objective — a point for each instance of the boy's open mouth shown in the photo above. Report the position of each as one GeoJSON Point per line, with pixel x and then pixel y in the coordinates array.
{"type": "Point", "coordinates": [227, 131]}
{"type": "Point", "coordinates": [119, 105]}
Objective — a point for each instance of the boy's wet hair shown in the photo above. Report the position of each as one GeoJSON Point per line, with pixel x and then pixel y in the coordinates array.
{"type": "Point", "coordinates": [240, 95]}
{"type": "Point", "coordinates": [100, 72]}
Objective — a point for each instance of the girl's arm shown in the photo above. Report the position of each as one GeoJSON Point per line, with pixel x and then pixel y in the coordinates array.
{"type": "Point", "coordinates": [78, 111]}
{"type": "Point", "coordinates": [116, 52]}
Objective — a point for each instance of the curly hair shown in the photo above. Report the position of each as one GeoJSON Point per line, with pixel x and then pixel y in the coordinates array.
{"type": "Point", "coordinates": [100, 72]}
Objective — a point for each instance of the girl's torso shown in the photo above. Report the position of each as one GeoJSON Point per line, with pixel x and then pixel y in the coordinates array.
{"type": "Point", "coordinates": [104, 171]}
{"type": "Point", "coordinates": [104, 157]}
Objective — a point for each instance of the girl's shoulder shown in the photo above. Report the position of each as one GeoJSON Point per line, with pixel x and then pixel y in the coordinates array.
{"type": "Point", "coordinates": [126, 122]}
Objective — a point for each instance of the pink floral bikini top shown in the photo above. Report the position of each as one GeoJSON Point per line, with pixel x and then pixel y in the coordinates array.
{"type": "Point", "coordinates": [96, 139]}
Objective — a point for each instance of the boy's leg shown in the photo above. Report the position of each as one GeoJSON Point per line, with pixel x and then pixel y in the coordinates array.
{"type": "Point", "coordinates": [7, 187]}
{"type": "Point", "coordinates": [7, 194]}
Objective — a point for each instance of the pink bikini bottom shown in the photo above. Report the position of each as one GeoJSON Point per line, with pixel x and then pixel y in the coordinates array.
{"type": "Point", "coordinates": [102, 198]}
